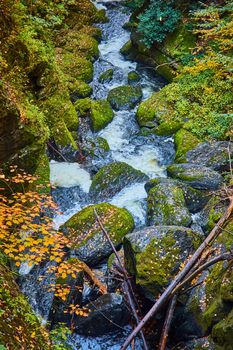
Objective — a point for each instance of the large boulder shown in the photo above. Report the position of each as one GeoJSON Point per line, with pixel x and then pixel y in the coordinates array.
{"type": "Point", "coordinates": [215, 155]}
{"type": "Point", "coordinates": [89, 243]}
{"type": "Point", "coordinates": [101, 114]}
{"type": "Point", "coordinates": [106, 313]}
{"type": "Point", "coordinates": [197, 176]}
{"type": "Point", "coordinates": [194, 199]}
{"type": "Point", "coordinates": [166, 206]}
{"type": "Point", "coordinates": [154, 255]}
{"type": "Point", "coordinates": [112, 178]}
{"type": "Point", "coordinates": [125, 97]}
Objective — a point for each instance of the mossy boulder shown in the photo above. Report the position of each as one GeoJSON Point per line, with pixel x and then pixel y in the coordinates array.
{"type": "Point", "coordinates": [112, 178]}
{"type": "Point", "coordinates": [166, 206]}
{"type": "Point", "coordinates": [19, 326]}
{"type": "Point", "coordinates": [154, 254]}
{"type": "Point", "coordinates": [89, 243]}
{"type": "Point", "coordinates": [126, 49]}
{"type": "Point", "coordinates": [96, 147]}
{"type": "Point", "coordinates": [133, 77]}
{"type": "Point", "coordinates": [215, 155]}
{"type": "Point", "coordinates": [184, 142]}
{"type": "Point", "coordinates": [222, 332]}
{"type": "Point", "coordinates": [101, 16]}
{"type": "Point", "coordinates": [106, 76]}
{"type": "Point", "coordinates": [101, 114]}
{"type": "Point", "coordinates": [195, 199]}
{"type": "Point", "coordinates": [79, 89]}
{"type": "Point", "coordinates": [62, 135]}
{"type": "Point", "coordinates": [125, 97]}
{"type": "Point", "coordinates": [197, 176]}
{"type": "Point", "coordinates": [83, 106]}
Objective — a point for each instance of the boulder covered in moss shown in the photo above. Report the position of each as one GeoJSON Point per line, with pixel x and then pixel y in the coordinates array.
{"type": "Point", "coordinates": [79, 89]}
{"type": "Point", "coordinates": [125, 97]}
{"type": "Point", "coordinates": [133, 77]}
{"type": "Point", "coordinates": [83, 106]}
{"type": "Point", "coordinates": [89, 243]}
{"type": "Point", "coordinates": [222, 332]}
{"type": "Point", "coordinates": [166, 206]}
{"type": "Point", "coordinates": [126, 49]}
{"type": "Point", "coordinates": [108, 311]}
{"type": "Point", "coordinates": [101, 114]}
{"type": "Point", "coordinates": [154, 255]}
{"type": "Point", "coordinates": [112, 178]}
{"type": "Point", "coordinates": [197, 176]}
{"type": "Point", "coordinates": [195, 199]}
{"type": "Point", "coordinates": [19, 326]}
{"type": "Point", "coordinates": [184, 142]}
{"type": "Point", "coordinates": [215, 155]}
{"type": "Point", "coordinates": [106, 76]}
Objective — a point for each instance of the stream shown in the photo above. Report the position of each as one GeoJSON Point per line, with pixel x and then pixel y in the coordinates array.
{"type": "Point", "coordinates": [150, 154]}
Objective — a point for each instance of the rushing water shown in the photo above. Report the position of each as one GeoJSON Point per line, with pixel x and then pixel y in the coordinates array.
{"type": "Point", "coordinates": [150, 154]}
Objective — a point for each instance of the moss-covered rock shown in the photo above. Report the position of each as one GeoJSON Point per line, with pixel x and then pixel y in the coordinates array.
{"type": "Point", "coordinates": [133, 77]}
{"type": "Point", "coordinates": [19, 327]}
{"type": "Point", "coordinates": [194, 199]}
{"type": "Point", "coordinates": [93, 31]}
{"type": "Point", "coordinates": [125, 97]}
{"type": "Point", "coordinates": [154, 254]}
{"type": "Point", "coordinates": [106, 76]}
{"type": "Point", "coordinates": [83, 106]}
{"type": "Point", "coordinates": [101, 17]}
{"type": "Point", "coordinates": [184, 142]}
{"type": "Point", "coordinates": [62, 135]}
{"type": "Point", "coordinates": [197, 176]}
{"type": "Point", "coordinates": [96, 147]}
{"type": "Point", "coordinates": [112, 178]}
{"type": "Point", "coordinates": [79, 89]}
{"type": "Point", "coordinates": [222, 333]}
{"type": "Point", "coordinates": [89, 243]}
{"type": "Point", "coordinates": [127, 49]}
{"type": "Point", "coordinates": [167, 128]}
{"type": "Point", "coordinates": [166, 206]}
{"type": "Point", "coordinates": [101, 114]}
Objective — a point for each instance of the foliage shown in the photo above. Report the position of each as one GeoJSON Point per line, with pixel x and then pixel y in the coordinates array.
{"type": "Point", "coordinates": [159, 19]}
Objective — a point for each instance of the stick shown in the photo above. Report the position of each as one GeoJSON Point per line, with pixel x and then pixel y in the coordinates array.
{"type": "Point", "coordinates": [93, 277]}
{"type": "Point", "coordinates": [128, 286]}
{"type": "Point", "coordinates": [181, 275]}
{"type": "Point", "coordinates": [167, 323]}
{"type": "Point", "coordinates": [59, 153]}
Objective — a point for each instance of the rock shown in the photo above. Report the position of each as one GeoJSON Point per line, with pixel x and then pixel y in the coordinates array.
{"type": "Point", "coordinates": [184, 142]}
{"type": "Point", "coordinates": [89, 243]}
{"type": "Point", "coordinates": [125, 97]}
{"type": "Point", "coordinates": [105, 314]}
{"type": "Point", "coordinates": [58, 312]}
{"type": "Point", "coordinates": [112, 178]}
{"type": "Point", "coordinates": [101, 114]}
{"type": "Point", "coordinates": [214, 155]}
{"type": "Point", "coordinates": [79, 89]}
{"type": "Point", "coordinates": [198, 344]}
{"type": "Point", "coordinates": [197, 176]}
{"type": "Point", "coordinates": [222, 332]}
{"type": "Point", "coordinates": [126, 49]}
{"type": "Point", "coordinates": [194, 199]}
{"type": "Point", "coordinates": [96, 147]}
{"type": "Point", "coordinates": [133, 77]}
{"type": "Point", "coordinates": [166, 206]}
{"type": "Point", "coordinates": [154, 254]}
{"type": "Point", "coordinates": [83, 106]}
{"type": "Point", "coordinates": [101, 16]}
{"type": "Point", "coordinates": [106, 76]}
{"type": "Point", "coordinates": [167, 128]}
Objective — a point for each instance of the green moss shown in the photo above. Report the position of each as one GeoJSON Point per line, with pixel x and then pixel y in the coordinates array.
{"type": "Point", "coordinates": [81, 44]}
{"type": "Point", "coordinates": [146, 113]}
{"type": "Point", "coordinates": [62, 135]}
{"type": "Point", "coordinates": [103, 144]}
{"type": "Point", "coordinates": [106, 76]}
{"type": "Point", "coordinates": [118, 222]}
{"type": "Point", "coordinates": [19, 327]}
{"type": "Point", "coordinates": [80, 89]}
{"type": "Point", "coordinates": [101, 16]}
{"type": "Point", "coordinates": [127, 48]}
{"type": "Point", "coordinates": [83, 106]}
{"type": "Point", "coordinates": [184, 142]}
{"type": "Point", "coordinates": [101, 114]}
{"type": "Point", "coordinates": [133, 77]}
{"type": "Point", "coordinates": [43, 174]}
{"type": "Point", "coordinates": [95, 32]}
{"type": "Point", "coordinates": [125, 97]}
{"type": "Point", "coordinates": [222, 333]}
{"type": "Point", "coordinates": [167, 128]}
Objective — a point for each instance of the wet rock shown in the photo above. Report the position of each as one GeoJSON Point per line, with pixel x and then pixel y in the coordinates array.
{"type": "Point", "coordinates": [133, 77]}
{"type": "Point", "coordinates": [215, 155]}
{"type": "Point", "coordinates": [106, 76]}
{"type": "Point", "coordinates": [194, 199]}
{"type": "Point", "coordinates": [105, 314]}
{"type": "Point", "coordinates": [197, 344]}
{"type": "Point", "coordinates": [126, 49]}
{"type": "Point", "coordinates": [154, 254]}
{"type": "Point", "coordinates": [166, 206]}
{"type": "Point", "coordinates": [125, 97]}
{"type": "Point", "coordinates": [112, 178]}
{"type": "Point", "coordinates": [101, 114]}
{"type": "Point", "coordinates": [197, 176]}
{"type": "Point", "coordinates": [89, 243]}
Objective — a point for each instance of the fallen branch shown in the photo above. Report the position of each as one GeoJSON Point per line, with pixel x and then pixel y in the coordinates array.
{"type": "Point", "coordinates": [95, 280]}
{"type": "Point", "coordinates": [181, 275]}
{"type": "Point", "coordinates": [56, 151]}
{"type": "Point", "coordinates": [128, 286]}
{"type": "Point", "coordinates": [167, 323]}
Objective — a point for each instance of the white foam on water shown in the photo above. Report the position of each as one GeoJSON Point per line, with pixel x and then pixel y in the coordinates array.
{"type": "Point", "coordinates": [69, 175]}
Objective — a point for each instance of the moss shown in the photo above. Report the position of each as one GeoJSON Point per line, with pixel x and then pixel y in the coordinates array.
{"type": "Point", "coordinates": [222, 333]}
{"type": "Point", "coordinates": [125, 97]}
{"type": "Point", "coordinates": [43, 174]}
{"type": "Point", "coordinates": [146, 113]}
{"type": "Point", "coordinates": [83, 106]}
{"type": "Point", "coordinates": [184, 142]}
{"type": "Point", "coordinates": [80, 44]}
{"type": "Point", "coordinates": [117, 221]}
{"type": "Point", "coordinates": [19, 327]}
{"type": "Point", "coordinates": [80, 89]}
{"type": "Point", "coordinates": [92, 31]}
{"type": "Point", "coordinates": [127, 48]}
{"type": "Point", "coordinates": [167, 128]}
{"type": "Point", "coordinates": [101, 17]}
{"type": "Point", "coordinates": [101, 114]}
{"type": "Point", "coordinates": [106, 76]}
{"type": "Point", "coordinates": [62, 135]}
{"type": "Point", "coordinates": [133, 77]}
{"type": "Point", "coordinates": [103, 144]}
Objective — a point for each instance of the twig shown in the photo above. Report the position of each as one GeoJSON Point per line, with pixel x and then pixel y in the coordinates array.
{"type": "Point", "coordinates": [167, 323]}
{"type": "Point", "coordinates": [181, 275]}
{"type": "Point", "coordinates": [128, 286]}
{"type": "Point", "coordinates": [59, 153]}
{"type": "Point", "coordinates": [95, 280]}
